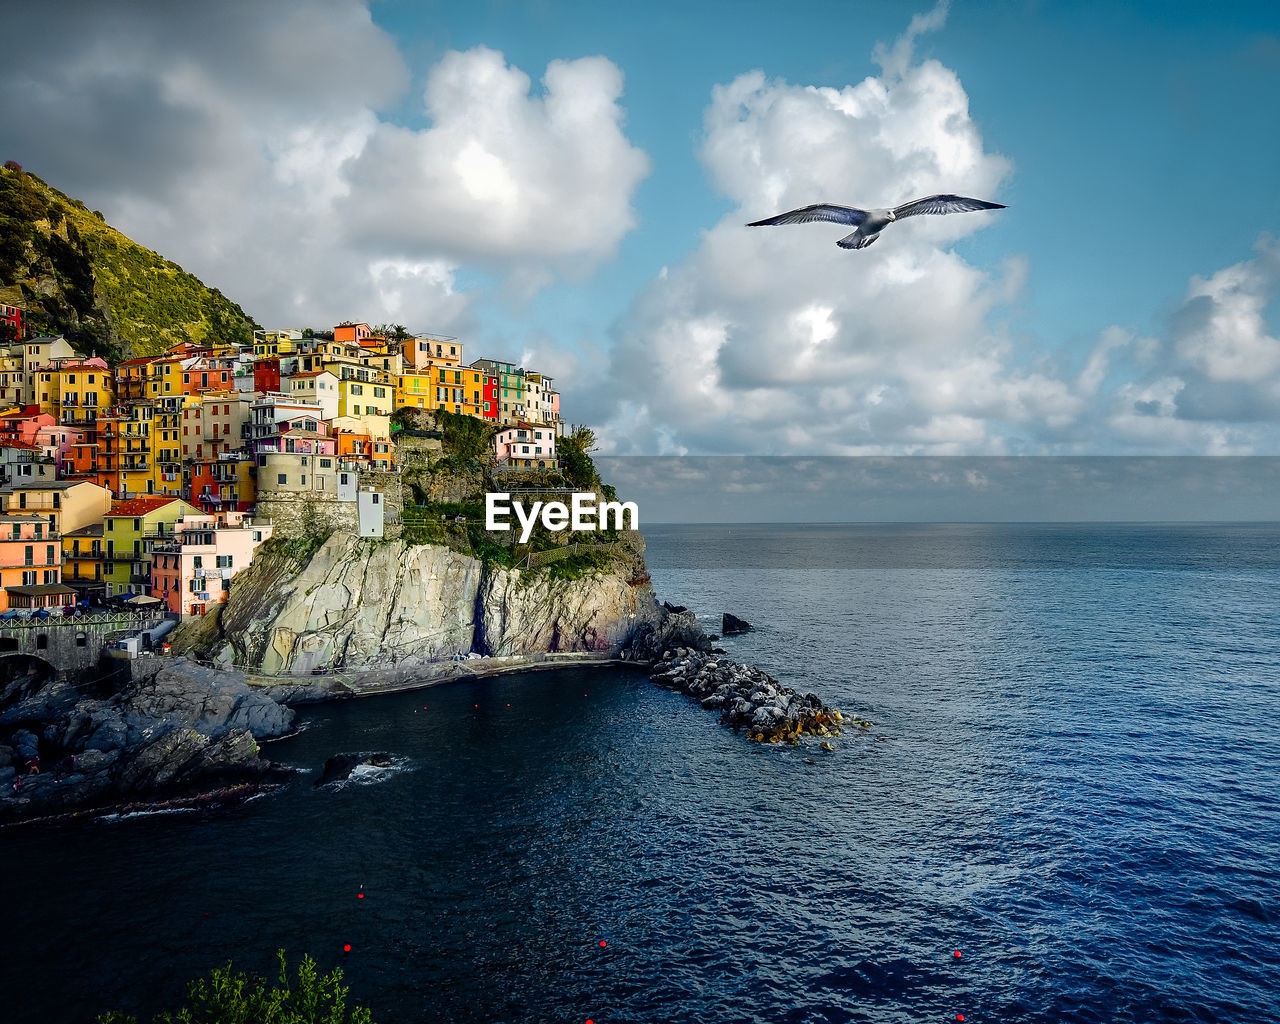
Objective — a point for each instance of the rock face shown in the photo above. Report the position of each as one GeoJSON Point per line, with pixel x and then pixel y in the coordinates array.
{"type": "Point", "coordinates": [354, 603]}
{"type": "Point", "coordinates": [519, 614]}
{"type": "Point", "coordinates": [360, 604]}
{"type": "Point", "coordinates": [185, 730]}
{"type": "Point", "coordinates": [339, 767]}
{"type": "Point", "coordinates": [676, 627]}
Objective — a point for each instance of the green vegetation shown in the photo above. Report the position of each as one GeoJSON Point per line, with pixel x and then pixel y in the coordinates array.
{"type": "Point", "coordinates": [228, 997]}
{"type": "Point", "coordinates": [393, 332]}
{"type": "Point", "coordinates": [299, 548]}
{"type": "Point", "coordinates": [467, 441]}
{"type": "Point", "coordinates": [110, 296]}
{"type": "Point", "coordinates": [574, 567]}
{"type": "Point", "coordinates": [575, 458]}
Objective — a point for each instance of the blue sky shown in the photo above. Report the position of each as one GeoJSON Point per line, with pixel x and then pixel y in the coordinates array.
{"type": "Point", "coordinates": [1153, 115]}
{"type": "Point", "coordinates": [1124, 303]}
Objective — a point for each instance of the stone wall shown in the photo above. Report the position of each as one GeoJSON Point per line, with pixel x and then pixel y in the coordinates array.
{"type": "Point", "coordinates": [71, 645]}
{"type": "Point", "coordinates": [306, 515]}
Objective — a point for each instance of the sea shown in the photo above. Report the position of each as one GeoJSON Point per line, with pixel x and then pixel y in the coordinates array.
{"type": "Point", "coordinates": [1066, 809]}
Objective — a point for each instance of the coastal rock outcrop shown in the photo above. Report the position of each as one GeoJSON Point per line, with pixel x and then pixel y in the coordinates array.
{"type": "Point", "coordinates": [355, 603]}
{"type": "Point", "coordinates": [731, 624]}
{"type": "Point", "coordinates": [521, 613]}
{"type": "Point", "coordinates": [746, 696]}
{"type": "Point", "coordinates": [339, 767]}
{"type": "Point", "coordinates": [182, 730]}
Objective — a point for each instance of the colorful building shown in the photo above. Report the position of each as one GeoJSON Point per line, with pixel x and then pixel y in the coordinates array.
{"type": "Point", "coordinates": [526, 446]}
{"type": "Point", "coordinates": [130, 529]}
{"type": "Point", "coordinates": [193, 569]}
{"type": "Point", "coordinates": [510, 390]}
{"type": "Point", "coordinates": [86, 390]}
{"type": "Point", "coordinates": [63, 504]}
{"type": "Point", "coordinates": [224, 483]}
{"type": "Point", "coordinates": [30, 564]}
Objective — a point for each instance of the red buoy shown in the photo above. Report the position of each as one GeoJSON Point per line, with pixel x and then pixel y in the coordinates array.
{"type": "Point", "coordinates": [959, 1016]}
{"type": "Point", "coordinates": [602, 942]}
{"type": "Point", "coordinates": [359, 895]}
{"type": "Point", "coordinates": [346, 949]}
{"type": "Point", "coordinates": [956, 954]}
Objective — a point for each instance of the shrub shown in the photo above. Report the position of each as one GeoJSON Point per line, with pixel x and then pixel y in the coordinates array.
{"type": "Point", "coordinates": [229, 997]}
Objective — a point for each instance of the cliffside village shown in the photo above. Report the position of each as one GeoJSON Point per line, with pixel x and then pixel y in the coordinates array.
{"type": "Point", "coordinates": [155, 481]}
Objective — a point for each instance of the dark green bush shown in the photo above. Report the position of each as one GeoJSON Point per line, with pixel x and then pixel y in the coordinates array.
{"type": "Point", "coordinates": [232, 997]}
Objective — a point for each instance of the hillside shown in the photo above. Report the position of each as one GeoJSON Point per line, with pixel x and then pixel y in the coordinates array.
{"type": "Point", "coordinates": [75, 275]}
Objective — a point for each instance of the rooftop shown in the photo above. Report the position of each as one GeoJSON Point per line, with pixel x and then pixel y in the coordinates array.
{"type": "Point", "coordinates": [133, 507]}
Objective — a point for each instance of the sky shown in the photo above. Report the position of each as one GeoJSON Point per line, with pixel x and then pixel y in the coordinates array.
{"type": "Point", "coordinates": [566, 185]}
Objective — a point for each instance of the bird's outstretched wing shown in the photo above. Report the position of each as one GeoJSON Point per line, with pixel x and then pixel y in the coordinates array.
{"type": "Point", "coordinates": [819, 211]}
{"type": "Point", "coordinates": [943, 204]}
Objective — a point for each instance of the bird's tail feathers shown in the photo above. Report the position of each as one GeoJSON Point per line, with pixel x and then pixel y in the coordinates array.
{"type": "Point", "coordinates": [857, 240]}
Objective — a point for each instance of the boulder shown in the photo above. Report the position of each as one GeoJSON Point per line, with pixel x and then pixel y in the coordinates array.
{"type": "Point", "coordinates": [339, 767]}
{"type": "Point", "coordinates": [732, 625]}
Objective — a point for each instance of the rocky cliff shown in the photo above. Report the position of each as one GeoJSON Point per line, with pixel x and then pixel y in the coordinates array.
{"type": "Point", "coordinates": [365, 604]}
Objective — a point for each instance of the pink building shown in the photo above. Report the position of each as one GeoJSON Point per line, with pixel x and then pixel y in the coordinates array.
{"type": "Point", "coordinates": [527, 445]}
{"type": "Point", "coordinates": [24, 426]}
{"type": "Point", "coordinates": [194, 570]}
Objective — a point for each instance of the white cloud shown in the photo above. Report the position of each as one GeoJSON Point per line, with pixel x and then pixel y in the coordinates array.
{"type": "Point", "coordinates": [773, 339]}
{"type": "Point", "coordinates": [502, 175]}
{"type": "Point", "coordinates": [1221, 330]}
{"type": "Point", "coordinates": [250, 143]}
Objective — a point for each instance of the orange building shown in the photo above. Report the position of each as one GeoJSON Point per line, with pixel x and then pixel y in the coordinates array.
{"type": "Point", "coordinates": [30, 564]}
{"type": "Point", "coordinates": [364, 450]}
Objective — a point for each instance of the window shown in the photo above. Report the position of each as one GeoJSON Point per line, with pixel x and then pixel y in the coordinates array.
{"type": "Point", "coordinates": [326, 463]}
{"type": "Point", "coordinates": [197, 562]}
{"type": "Point", "coordinates": [282, 478]}
{"type": "Point", "coordinates": [223, 561]}
{"type": "Point", "coordinates": [30, 555]}
{"type": "Point", "coordinates": [48, 555]}
{"type": "Point", "coordinates": [28, 579]}
{"type": "Point", "coordinates": [376, 497]}
{"type": "Point", "coordinates": [51, 575]}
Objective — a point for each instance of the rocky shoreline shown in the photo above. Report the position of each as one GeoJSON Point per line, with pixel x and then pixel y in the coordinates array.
{"type": "Point", "coordinates": [186, 735]}
{"type": "Point", "coordinates": [183, 736]}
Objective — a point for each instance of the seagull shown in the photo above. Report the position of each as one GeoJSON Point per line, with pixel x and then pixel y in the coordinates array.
{"type": "Point", "coordinates": [871, 222]}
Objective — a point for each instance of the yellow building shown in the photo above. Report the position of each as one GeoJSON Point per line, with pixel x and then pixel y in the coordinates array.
{"type": "Point", "coordinates": [446, 386]}
{"type": "Point", "coordinates": [86, 390]}
{"type": "Point", "coordinates": [276, 343]}
{"type": "Point", "coordinates": [64, 504]}
{"type": "Point", "coordinates": [38, 352]}
{"type": "Point", "coordinates": [84, 563]}
{"type": "Point", "coordinates": [130, 530]}
{"type": "Point", "coordinates": [13, 378]}
{"type": "Point", "coordinates": [371, 393]}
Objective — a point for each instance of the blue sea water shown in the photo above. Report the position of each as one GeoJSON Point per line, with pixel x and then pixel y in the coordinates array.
{"type": "Point", "coordinates": [1071, 778]}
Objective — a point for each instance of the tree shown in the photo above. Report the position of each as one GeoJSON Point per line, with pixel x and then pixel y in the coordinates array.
{"type": "Point", "coordinates": [575, 457]}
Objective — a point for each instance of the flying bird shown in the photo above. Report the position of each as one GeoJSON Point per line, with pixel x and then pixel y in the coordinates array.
{"type": "Point", "coordinates": [870, 223]}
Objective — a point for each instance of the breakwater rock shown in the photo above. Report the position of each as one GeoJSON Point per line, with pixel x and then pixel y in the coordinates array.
{"type": "Point", "coordinates": [746, 696]}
